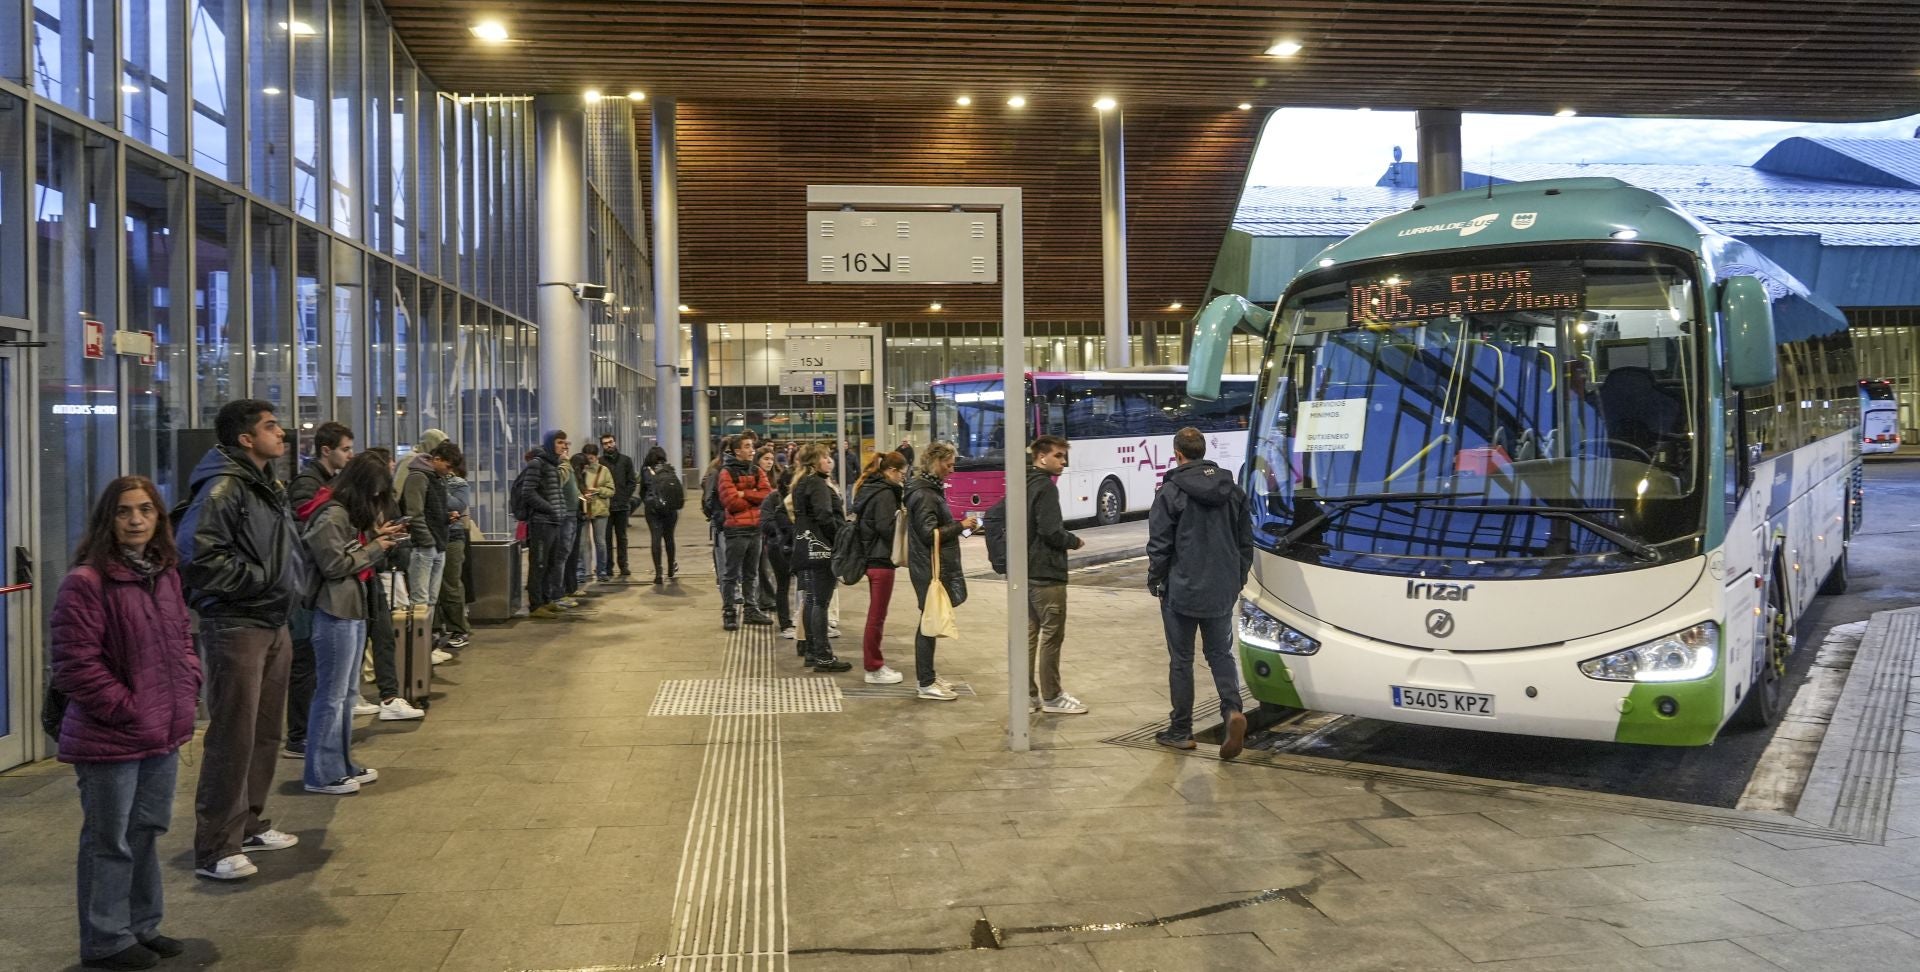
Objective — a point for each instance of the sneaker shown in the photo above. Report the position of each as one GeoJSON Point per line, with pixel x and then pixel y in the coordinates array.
{"type": "Point", "coordinates": [788, 633]}
{"type": "Point", "coordinates": [135, 956]}
{"type": "Point", "coordinates": [396, 710]}
{"type": "Point", "coordinates": [544, 611]}
{"type": "Point", "coordinates": [758, 619]}
{"type": "Point", "coordinates": [827, 664]}
{"type": "Point", "coordinates": [1173, 740]}
{"type": "Point", "coordinates": [269, 840]}
{"type": "Point", "coordinates": [570, 601]}
{"type": "Point", "coordinates": [1236, 735]}
{"type": "Point", "coordinates": [337, 787]}
{"type": "Point", "coordinates": [627, 573]}
{"type": "Point", "coordinates": [942, 682]}
{"type": "Point", "coordinates": [366, 775]}
{"type": "Point", "coordinates": [833, 631]}
{"type": "Point", "coordinates": [441, 656]}
{"type": "Point", "coordinates": [937, 693]}
{"type": "Point", "coordinates": [458, 642]}
{"type": "Point", "coordinates": [884, 676]}
{"type": "Point", "coordinates": [1033, 704]}
{"type": "Point", "coordinates": [729, 624]}
{"type": "Point", "coordinates": [293, 751]}
{"type": "Point", "coordinates": [579, 592]}
{"type": "Point", "coordinates": [163, 946]}
{"type": "Point", "coordinates": [233, 867]}
{"type": "Point", "coordinates": [362, 707]}
{"type": "Point", "coordinates": [1064, 704]}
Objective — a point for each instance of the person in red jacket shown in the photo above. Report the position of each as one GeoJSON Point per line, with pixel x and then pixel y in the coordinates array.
{"type": "Point", "coordinates": [742, 488]}
{"type": "Point", "coordinates": [123, 655]}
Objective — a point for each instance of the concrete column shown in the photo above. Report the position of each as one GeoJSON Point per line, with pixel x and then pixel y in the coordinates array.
{"type": "Point", "coordinates": [1113, 236]}
{"type": "Point", "coordinates": [1437, 150]}
{"type": "Point", "coordinates": [702, 405]}
{"type": "Point", "coordinates": [566, 374]}
{"type": "Point", "coordinates": [666, 275]}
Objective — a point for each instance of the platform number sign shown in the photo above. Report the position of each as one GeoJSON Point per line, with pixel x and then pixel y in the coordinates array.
{"type": "Point", "coordinates": [903, 247]}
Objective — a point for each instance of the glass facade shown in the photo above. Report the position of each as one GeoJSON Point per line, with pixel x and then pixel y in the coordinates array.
{"type": "Point", "coordinates": [293, 211]}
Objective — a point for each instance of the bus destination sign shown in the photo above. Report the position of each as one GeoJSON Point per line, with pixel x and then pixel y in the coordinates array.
{"type": "Point", "coordinates": [1419, 299]}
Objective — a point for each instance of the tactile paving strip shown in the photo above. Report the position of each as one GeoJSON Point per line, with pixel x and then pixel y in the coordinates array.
{"type": "Point", "coordinates": [745, 696]}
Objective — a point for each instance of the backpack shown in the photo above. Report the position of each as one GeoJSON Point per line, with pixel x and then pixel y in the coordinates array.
{"type": "Point", "coordinates": [850, 549]}
{"type": "Point", "coordinates": [667, 494]}
{"type": "Point", "coordinates": [516, 502]}
{"type": "Point", "coordinates": [710, 499]}
{"type": "Point", "coordinates": [994, 527]}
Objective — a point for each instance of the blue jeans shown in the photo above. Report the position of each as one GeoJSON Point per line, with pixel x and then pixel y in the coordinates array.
{"type": "Point", "coordinates": [337, 644]}
{"type": "Point", "coordinates": [424, 570]}
{"type": "Point", "coordinates": [125, 808]}
{"type": "Point", "coordinates": [592, 549]}
{"type": "Point", "coordinates": [603, 552]}
{"type": "Point", "coordinates": [1216, 638]}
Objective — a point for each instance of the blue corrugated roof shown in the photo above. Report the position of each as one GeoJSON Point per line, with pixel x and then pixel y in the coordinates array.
{"type": "Point", "coordinates": [1893, 162]}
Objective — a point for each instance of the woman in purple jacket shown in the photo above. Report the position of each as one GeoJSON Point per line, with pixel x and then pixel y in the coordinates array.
{"type": "Point", "coordinates": [123, 654]}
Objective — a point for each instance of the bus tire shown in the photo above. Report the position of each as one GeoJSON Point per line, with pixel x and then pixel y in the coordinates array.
{"type": "Point", "coordinates": [1109, 503]}
{"type": "Point", "coordinates": [1836, 579]}
{"type": "Point", "coordinates": [1766, 697]}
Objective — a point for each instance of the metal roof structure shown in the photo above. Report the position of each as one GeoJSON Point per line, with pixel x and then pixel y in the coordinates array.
{"type": "Point", "coordinates": [1844, 230]}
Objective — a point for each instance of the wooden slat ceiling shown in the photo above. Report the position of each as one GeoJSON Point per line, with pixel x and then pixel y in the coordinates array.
{"type": "Point", "coordinates": [744, 170]}
{"type": "Point", "coordinates": [1832, 60]}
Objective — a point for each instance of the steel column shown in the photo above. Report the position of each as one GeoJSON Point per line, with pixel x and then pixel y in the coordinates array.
{"type": "Point", "coordinates": [1113, 239]}
{"type": "Point", "coordinates": [1437, 149]}
{"type": "Point", "coordinates": [566, 374]}
{"type": "Point", "coordinates": [666, 277]}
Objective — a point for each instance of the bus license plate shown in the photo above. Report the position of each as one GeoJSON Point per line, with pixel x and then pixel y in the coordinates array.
{"type": "Point", "coordinates": [1440, 700]}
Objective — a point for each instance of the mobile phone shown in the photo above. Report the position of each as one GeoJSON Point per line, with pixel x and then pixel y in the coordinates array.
{"type": "Point", "coordinates": [403, 521]}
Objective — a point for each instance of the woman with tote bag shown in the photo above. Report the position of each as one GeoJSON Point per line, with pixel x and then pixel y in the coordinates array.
{"type": "Point", "coordinates": [933, 555]}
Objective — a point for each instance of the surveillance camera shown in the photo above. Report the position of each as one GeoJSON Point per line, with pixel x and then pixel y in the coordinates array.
{"type": "Point", "coordinates": [590, 291]}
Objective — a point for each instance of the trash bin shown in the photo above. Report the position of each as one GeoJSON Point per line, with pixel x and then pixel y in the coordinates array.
{"type": "Point", "coordinates": [498, 591]}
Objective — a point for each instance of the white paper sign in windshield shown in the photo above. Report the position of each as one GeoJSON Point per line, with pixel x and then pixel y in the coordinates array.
{"type": "Point", "coordinates": [1333, 425]}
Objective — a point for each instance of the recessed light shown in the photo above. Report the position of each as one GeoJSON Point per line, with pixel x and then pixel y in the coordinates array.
{"type": "Point", "coordinates": [491, 31]}
{"type": "Point", "coordinates": [1565, 113]}
{"type": "Point", "coordinates": [1176, 305]}
{"type": "Point", "coordinates": [624, 309]}
{"type": "Point", "coordinates": [636, 95]}
{"type": "Point", "coordinates": [1017, 101]}
{"type": "Point", "coordinates": [298, 28]}
{"type": "Point", "coordinates": [1363, 108]}
{"type": "Point", "coordinates": [1285, 48]}
{"type": "Point", "coordinates": [963, 100]}
{"type": "Point", "coordinates": [592, 96]}
{"type": "Point", "coordinates": [934, 306]}
{"type": "Point", "coordinates": [1246, 106]}
{"type": "Point", "coordinates": [1105, 104]}
{"type": "Point", "coordinates": [684, 309]}
{"type": "Point", "coordinates": [269, 91]}
{"type": "Point", "coordinates": [130, 88]}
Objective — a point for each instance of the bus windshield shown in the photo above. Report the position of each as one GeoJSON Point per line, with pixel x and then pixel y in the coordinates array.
{"type": "Point", "coordinates": [1505, 412]}
{"type": "Point", "coordinates": [972, 416]}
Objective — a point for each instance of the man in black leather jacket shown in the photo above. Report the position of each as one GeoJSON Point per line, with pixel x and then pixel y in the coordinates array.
{"type": "Point", "coordinates": [240, 562]}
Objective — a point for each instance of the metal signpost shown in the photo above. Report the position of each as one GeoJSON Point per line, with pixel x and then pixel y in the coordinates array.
{"type": "Point", "coordinates": [862, 234]}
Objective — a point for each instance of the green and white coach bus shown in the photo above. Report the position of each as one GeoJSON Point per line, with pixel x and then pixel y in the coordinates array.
{"type": "Point", "coordinates": [1553, 459]}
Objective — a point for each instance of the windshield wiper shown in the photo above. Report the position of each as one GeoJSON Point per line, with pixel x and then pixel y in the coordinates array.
{"type": "Point", "coordinates": [1581, 515]}
{"type": "Point", "coordinates": [1333, 505]}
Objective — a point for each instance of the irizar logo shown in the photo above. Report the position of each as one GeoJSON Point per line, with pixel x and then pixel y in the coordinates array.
{"type": "Point", "coordinates": [1466, 227]}
{"type": "Point", "coordinates": [1437, 591]}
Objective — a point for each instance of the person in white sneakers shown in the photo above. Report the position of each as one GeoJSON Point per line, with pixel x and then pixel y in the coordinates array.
{"type": "Point", "coordinates": [1047, 544]}
{"type": "Point", "coordinates": [878, 498]}
{"type": "Point", "coordinates": [928, 516]}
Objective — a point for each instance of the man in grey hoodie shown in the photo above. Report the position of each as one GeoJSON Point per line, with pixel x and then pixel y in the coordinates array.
{"type": "Point", "coordinates": [1199, 549]}
{"type": "Point", "coordinates": [423, 499]}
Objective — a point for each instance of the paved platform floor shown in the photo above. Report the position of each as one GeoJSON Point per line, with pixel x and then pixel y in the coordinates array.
{"type": "Point", "coordinates": [541, 819]}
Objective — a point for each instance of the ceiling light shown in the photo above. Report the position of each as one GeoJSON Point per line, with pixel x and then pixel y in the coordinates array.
{"type": "Point", "coordinates": [624, 309]}
{"type": "Point", "coordinates": [636, 95]}
{"type": "Point", "coordinates": [1246, 106]}
{"type": "Point", "coordinates": [1017, 101]}
{"type": "Point", "coordinates": [491, 31]}
{"type": "Point", "coordinates": [1176, 305]}
{"type": "Point", "coordinates": [269, 91]}
{"type": "Point", "coordinates": [1285, 48]}
{"type": "Point", "coordinates": [298, 28]}
{"type": "Point", "coordinates": [592, 96]}
{"type": "Point", "coordinates": [130, 88]}
{"type": "Point", "coordinates": [684, 309]}
{"type": "Point", "coordinates": [1105, 104]}
{"type": "Point", "coordinates": [1565, 113]}
{"type": "Point", "coordinates": [934, 306]}
{"type": "Point", "coordinates": [963, 100]}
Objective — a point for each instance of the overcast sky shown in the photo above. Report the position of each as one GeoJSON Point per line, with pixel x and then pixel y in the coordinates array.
{"type": "Point", "coordinates": [1319, 147]}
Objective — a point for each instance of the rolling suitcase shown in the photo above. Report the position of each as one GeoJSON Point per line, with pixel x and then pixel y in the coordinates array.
{"type": "Point", "coordinates": [412, 648]}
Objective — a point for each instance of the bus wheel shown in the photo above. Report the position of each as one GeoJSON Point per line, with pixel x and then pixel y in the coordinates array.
{"type": "Point", "coordinates": [1109, 504]}
{"type": "Point", "coordinates": [1836, 582]}
{"type": "Point", "coordinates": [1765, 702]}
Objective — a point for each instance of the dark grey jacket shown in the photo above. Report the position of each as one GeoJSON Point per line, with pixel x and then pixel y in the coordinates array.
{"type": "Point", "coordinates": [1047, 540]}
{"type": "Point", "coordinates": [1199, 541]}
{"type": "Point", "coordinates": [542, 492]}
{"type": "Point", "coordinates": [927, 514]}
{"type": "Point", "coordinates": [621, 466]}
{"type": "Point", "coordinates": [423, 496]}
{"type": "Point", "coordinates": [235, 540]}
{"type": "Point", "coordinates": [338, 557]}
{"type": "Point", "coordinates": [305, 483]}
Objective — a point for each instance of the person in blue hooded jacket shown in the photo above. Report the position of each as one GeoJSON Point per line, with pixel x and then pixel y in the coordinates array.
{"type": "Point", "coordinates": [1199, 549]}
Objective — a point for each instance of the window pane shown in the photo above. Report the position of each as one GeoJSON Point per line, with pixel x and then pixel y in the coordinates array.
{"type": "Point", "coordinates": [153, 44]}
{"type": "Point", "coordinates": [407, 418]}
{"type": "Point", "coordinates": [269, 48]}
{"type": "Point", "coordinates": [217, 40]}
{"type": "Point", "coordinates": [220, 376]}
{"type": "Point", "coordinates": [401, 151]}
{"type": "Point", "coordinates": [346, 116]}
{"type": "Point", "coordinates": [425, 111]}
{"type": "Point", "coordinates": [310, 36]}
{"type": "Point", "coordinates": [65, 33]}
{"type": "Point", "coordinates": [311, 297]}
{"type": "Point", "coordinates": [13, 207]}
{"type": "Point", "coordinates": [272, 291]}
{"type": "Point", "coordinates": [379, 338]}
{"type": "Point", "coordinates": [378, 78]}
{"type": "Point", "coordinates": [349, 308]}
{"type": "Point", "coordinates": [156, 241]}
{"type": "Point", "coordinates": [12, 51]}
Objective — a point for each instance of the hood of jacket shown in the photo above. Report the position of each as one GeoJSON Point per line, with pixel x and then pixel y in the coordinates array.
{"type": "Point", "coordinates": [225, 461]}
{"type": "Point", "coordinates": [547, 439]}
{"type": "Point", "coordinates": [429, 441]}
{"type": "Point", "coordinates": [1036, 476]}
{"type": "Point", "coordinates": [1203, 482]}
{"type": "Point", "coordinates": [873, 486]}
{"type": "Point", "coordinates": [424, 463]}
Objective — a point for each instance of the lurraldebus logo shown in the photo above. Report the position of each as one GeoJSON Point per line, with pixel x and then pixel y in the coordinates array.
{"type": "Point", "coordinates": [1466, 227]}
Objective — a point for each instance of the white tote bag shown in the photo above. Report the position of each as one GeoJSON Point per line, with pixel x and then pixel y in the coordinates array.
{"type": "Point", "coordinates": [900, 537]}
{"type": "Point", "coordinates": [937, 620]}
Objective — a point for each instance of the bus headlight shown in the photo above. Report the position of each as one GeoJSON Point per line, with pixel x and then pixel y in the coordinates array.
{"type": "Point", "coordinates": [1679, 657]}
{"type": "Point", "coordinates": [1261, 630]}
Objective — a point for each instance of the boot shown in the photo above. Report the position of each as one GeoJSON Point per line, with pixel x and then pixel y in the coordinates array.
{"type": "Point", "coordinates": [656, 578]}
{"type": "Point", "coordinates": [755, 616]}
{"type": "Point", "coordinates": [673, 569]}
{"type": "Point", "coordinates": [825, 663]}
{"type": "Point", "coordinates": [729, 621]}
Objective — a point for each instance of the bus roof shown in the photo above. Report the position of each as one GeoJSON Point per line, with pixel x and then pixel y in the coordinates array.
{"type": "Point", "coordinates": [1143, 374]}
{"type": "Point", "coordinates": [1546, 210]}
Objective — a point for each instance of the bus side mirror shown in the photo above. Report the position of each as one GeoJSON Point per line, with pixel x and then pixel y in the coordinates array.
{"type": "Point", "coordinates": [1213, 336]}
{"type": "Point", "coordinates": [1746, 312]}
